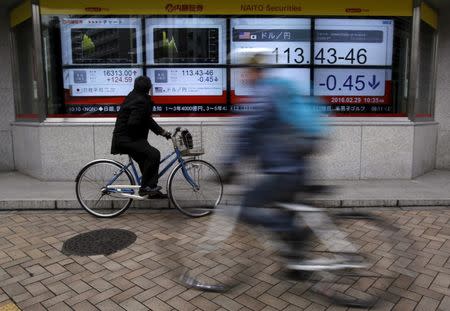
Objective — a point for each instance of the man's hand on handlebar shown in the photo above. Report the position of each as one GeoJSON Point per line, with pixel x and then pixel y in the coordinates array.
{"type": "Point", "coordinates": [166, 135]}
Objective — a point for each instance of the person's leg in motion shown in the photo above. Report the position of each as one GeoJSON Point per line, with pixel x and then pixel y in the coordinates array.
{"type": "Point", "coordinates": [276, 188]}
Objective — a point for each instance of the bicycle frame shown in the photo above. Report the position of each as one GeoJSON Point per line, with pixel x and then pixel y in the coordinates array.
{"type": "Point", "coordinates": [129, 190]}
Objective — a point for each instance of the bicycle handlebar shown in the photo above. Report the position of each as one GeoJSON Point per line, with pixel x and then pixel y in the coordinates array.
{"type": "Point", "coordinates": [176, 131]}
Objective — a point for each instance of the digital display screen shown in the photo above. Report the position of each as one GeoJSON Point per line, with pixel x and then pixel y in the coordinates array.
{"type": "Point", "coordinates": [101, 41]}
{"type": "Point", "coordinates": [187, 81]}
{"type": "Point", "coordinates": [355, 90]}
{"type": "Point", "coordinates": [349, 82]}
{"type": "Point", "coordinates": [82, 82]}
{"type": "Point", "coordinates": [284, 41]}
{"type": "Point", "coordinates": [103, 46]}
{"type": "Point", "coordinates": [186, 59]}
{"type": "Point", "coordinates": [186, 41]}
{"type": "Point", "coordinates": [300, 76]}
{"type": "Point", "coordinates": [356, 42]}
{"type": "Point", "coordinates": [186, 45]}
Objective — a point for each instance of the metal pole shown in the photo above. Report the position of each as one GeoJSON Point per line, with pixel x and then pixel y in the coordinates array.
{"type": "Point", "coordinates": [38, 61]}
{"type": "Point", "coordinates": [415, 62]}
{"type": "Point", "coordinates": [434, 74]}
{"type": "Point", "coordinates": [15, 74]}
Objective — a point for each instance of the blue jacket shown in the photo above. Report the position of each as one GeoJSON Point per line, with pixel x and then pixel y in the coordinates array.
{"type": "Point", "coordinates": [282, 129]}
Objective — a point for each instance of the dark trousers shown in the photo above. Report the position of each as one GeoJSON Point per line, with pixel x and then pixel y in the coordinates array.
{"type": "Point", "coordinates": [273, 188]}
{"type": "Point", "coordinates": [147, 157]}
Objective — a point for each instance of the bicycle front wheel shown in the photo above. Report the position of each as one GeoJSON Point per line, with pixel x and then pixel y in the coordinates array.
{"type": "Point", "coordinates": [93, 194]}
{"type": "Point", "coordinates": [195, 188]}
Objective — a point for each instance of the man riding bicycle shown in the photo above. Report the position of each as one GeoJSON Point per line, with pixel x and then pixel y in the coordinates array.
{"type": "Point", "coordinates": [281, 132]}
{"type": "Point", "coordinates": [131, 133]}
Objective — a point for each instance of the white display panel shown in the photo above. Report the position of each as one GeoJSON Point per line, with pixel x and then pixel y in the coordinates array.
{"type": "Point", "coordinates": [350, 82]}
{"type": "Point", "coordinates": [101, 41]}
{"type": "Point", "coordinates": [242, 87]}
{"type": "Point", "coordinates": [188, 81]}
{"type": "Point", "coordinates": [284, 41]}
{"type": "Point", "coordinates": [355, 42]}
{"type": "Point", "coordinates": [185, 41]}
{"type": "Point", "coordinates": [100, 82]}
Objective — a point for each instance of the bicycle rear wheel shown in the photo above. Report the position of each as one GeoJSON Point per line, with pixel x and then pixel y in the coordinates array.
{"type": "Point", "coordinates": [371, 238]}
{"type": "Point", "coordinates": [91, 189]}
{"type": "Point", "coordinates": [195, 190]}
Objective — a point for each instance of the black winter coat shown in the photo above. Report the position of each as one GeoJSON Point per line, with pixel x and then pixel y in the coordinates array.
{"type": "Point", "coordinates": [134, 121]}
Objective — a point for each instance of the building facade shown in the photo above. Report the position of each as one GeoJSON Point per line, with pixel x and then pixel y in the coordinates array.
{"type": "Point", "coordinates": [381, 69]}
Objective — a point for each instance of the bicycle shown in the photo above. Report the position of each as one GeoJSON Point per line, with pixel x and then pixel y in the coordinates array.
{"type": "Point", "coordinates": [341, 272]}
{"type": "Point", "coordinates": [106, 188]}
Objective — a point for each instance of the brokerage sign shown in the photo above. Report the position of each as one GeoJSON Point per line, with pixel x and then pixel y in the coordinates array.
{"type": "Point", "coordinates": [246, 7]}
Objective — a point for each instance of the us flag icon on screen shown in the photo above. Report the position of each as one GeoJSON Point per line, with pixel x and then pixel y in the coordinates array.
{"type": "Point", "coordinates": [244, 35]}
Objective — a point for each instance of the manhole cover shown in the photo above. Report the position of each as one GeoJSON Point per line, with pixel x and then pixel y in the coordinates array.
{"type": "Point", "coordinates": [98, 242]}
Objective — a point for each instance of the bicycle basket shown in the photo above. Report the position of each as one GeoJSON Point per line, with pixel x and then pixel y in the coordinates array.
{"type": "Point", "coordinates": [188, 144]}
{"type": "Point", "coordinates": [187, 139]}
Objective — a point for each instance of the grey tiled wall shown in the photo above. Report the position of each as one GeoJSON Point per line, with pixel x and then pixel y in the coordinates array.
{"type": "Point", "coordinates": [356, 150]}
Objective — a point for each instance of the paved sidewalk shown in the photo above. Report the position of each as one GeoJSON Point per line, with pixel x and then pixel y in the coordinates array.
{"type": "Point", "coordinates": [18, 191]}
{"type": "Point", "coordinates": [36, 275]}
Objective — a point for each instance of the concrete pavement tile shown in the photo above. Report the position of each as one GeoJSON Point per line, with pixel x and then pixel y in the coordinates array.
{"type": "Point", "coordinates": [133, 305]}
{"type": "Point", "coordinates": [445, 303]}
{"type": "Point", "coordinates": [156, 304]}
{"type": "Point", "coordinates": [427, 304]}
{"type": "Point", "coordinates": [59, 307]}
{"type": "Point", "coordinates": [86, 306]}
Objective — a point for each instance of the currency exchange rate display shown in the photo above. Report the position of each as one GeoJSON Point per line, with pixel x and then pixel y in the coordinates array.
{"type": "Point", "coordinates": [285, 42]}
{"type": "Point", "coordinates": [347, 62]}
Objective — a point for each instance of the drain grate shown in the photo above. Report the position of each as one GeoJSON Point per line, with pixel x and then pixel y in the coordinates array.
{"type": "Point", "coordinates": [98, 242]}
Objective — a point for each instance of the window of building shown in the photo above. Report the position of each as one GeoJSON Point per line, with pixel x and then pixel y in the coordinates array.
{"type": "Point", "coordinates": [357, 65]}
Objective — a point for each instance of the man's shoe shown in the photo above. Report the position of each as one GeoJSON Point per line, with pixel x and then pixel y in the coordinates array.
{"type": "Point", "coordinates": [158, 195]}
{"type": "Point", "coordinates": [143, 191]}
